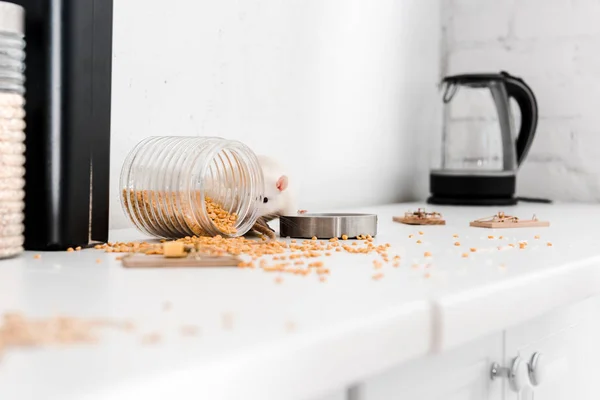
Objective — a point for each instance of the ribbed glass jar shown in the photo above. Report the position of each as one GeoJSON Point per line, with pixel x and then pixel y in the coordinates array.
{"type": "Point", "coordinates": [12, 129]}
{"type": "Point", "coordinates": [172, 187]}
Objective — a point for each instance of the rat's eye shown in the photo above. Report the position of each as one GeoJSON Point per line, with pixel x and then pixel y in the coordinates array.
{"type": "Point", "coordinates": [266, 200]}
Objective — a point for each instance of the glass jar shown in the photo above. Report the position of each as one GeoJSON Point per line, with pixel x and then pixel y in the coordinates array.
{"type": "Point", "coordinates": [172, 187]}
{"type": "Point", "coordinates": [12, 129]}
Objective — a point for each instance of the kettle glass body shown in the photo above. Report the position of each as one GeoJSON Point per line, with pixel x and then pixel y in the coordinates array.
{"type": "Point", "coordinates": [478, 132]}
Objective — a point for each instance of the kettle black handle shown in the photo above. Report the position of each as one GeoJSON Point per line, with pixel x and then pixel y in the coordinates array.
{"type": "Point", "coordinates": [523, 95]}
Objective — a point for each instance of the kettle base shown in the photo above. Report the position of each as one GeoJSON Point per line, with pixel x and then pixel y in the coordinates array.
{"type": "Point", "coordinates": [471, 202]}
{"type": "Point", "coordinates": [472, 190]}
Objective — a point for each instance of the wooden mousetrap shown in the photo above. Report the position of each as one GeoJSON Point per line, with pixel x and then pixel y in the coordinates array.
{"type": "Point", "coordinates": [502, 220]}
{"type": "Point", "coordinates": [176, 255]}
{"type": "Point", "coordinates": [421, 217]}
{"type": "Point", "coordinates": [139, 260]}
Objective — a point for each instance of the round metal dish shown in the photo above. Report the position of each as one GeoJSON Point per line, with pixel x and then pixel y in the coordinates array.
{"type": "Point", "coordinates": [326, 226]}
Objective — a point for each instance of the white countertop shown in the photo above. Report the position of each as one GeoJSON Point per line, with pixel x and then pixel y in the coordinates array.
{"type": "Point", "coordinates": [344, 330]}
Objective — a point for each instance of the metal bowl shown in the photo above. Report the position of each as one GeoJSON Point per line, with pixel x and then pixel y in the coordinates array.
{"type": "Point", "coordinates": [326, 226]}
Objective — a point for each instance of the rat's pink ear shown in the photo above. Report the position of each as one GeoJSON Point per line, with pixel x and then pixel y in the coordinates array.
{"type": "Point", "coordinates": [282, 183]}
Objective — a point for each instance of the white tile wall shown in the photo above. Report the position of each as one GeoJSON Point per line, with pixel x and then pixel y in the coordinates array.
{"type": "Point", "coordinates": [343, 91]}
{"type": "Point", "coordinates": [555, 46]}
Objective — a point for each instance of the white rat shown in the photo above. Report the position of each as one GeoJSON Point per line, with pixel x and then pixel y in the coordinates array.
{"type": "Point", "coordinates": [279, 199]}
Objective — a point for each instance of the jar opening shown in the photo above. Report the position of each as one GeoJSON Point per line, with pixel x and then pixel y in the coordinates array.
{"type": "Point", "coordinates": [228, 189]}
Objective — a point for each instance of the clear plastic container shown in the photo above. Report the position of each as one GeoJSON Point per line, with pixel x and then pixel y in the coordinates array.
{"type": "Point", "coordinates": [172, 187]}
{"type": "Point", "coordinates": [12, 129]}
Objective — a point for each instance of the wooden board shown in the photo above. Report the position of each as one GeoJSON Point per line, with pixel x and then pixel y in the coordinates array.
{"type": "Point", "coordinates": [419, 221]}
{"type": "Point", "coordinates": [520, 224]}
{"type": "Point", "coordinates": [158, 261]}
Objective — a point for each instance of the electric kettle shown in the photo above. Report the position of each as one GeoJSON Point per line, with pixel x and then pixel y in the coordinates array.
{"type": "Point", "coordinates": [478, 151]}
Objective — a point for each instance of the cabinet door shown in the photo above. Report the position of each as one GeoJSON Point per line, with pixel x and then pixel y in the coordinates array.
{"type": "Point", "coordinates": [460, 374]}
{"type": "Point", "coordinates": [568, 341]}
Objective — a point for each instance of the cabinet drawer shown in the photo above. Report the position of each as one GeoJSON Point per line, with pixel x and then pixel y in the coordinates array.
{"type": "Point", "coordinates": [461, 374]}
{"type": "Point", "coordinates": [568, 341]}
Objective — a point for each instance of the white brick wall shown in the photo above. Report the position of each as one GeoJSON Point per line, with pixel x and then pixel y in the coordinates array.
{"type": "Point", "coordinates": [339, 90]}
{"type": "Point", "coordinates": [554, 45]}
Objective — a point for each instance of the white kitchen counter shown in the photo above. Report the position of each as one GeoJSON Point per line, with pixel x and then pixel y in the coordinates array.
{"type": "Point", "coordinates": [345, 330]}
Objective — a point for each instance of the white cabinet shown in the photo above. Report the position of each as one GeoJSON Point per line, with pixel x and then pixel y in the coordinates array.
{"type": "Point", "coordinates": [461, 374]}
{"type": "Point", "coordinates": [568, 340]}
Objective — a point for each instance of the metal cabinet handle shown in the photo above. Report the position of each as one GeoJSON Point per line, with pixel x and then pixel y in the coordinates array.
{"type": "Point", "coordinates": [517, 374]}
{"type": "Point", "coordinates": [536, 369]}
